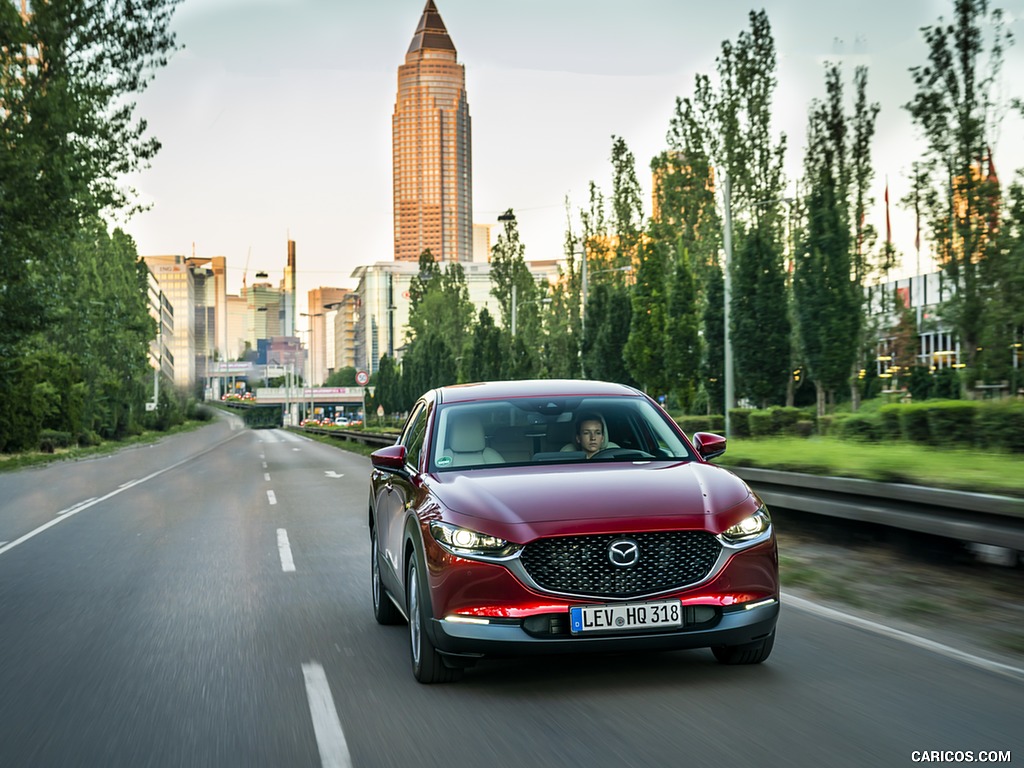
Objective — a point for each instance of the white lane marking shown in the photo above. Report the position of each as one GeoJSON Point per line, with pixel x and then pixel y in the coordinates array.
{"type": "Point", "coordinates": [330, 738]}
{"type": "Point", "coordinates": [266, 476]}
{"type": "Point", "coordinates": [332, 473]}
{"type": "Point", "coordinates": [285, 549]}
{"type": "Point", "coordinates": [74, 507]}
{"type": "Point", "coordinates": [271, 498]}
{"type": "Point", "coordinates": [85, 505]}
{"type": "Point", "coordinates": [906, 637]}
{"type": "Point", "coordinates": [264, 465]}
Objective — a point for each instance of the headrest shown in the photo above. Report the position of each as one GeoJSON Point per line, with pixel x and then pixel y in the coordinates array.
{"type": "Point", "coordinates": [467, 435]}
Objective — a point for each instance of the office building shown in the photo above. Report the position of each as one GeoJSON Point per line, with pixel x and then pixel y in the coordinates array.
{"type": "Point", "coordinates": [431, 143]}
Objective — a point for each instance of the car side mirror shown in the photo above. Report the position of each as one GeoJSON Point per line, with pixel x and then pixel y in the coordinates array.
{"type": "Point", "coordinates": [391, 457]}
{"type": "Point", "coordinates": [709, 445]}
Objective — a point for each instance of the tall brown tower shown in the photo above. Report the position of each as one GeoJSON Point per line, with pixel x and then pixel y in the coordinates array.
{"type": "Point", "coordinates": [431, 142]}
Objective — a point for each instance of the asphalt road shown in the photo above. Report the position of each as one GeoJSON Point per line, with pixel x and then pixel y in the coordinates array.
{"type": "Point", "coordinates": [205, 602]}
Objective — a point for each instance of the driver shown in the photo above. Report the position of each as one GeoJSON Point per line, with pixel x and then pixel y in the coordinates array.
{"type": "Point", "coordinates": [591, 434]}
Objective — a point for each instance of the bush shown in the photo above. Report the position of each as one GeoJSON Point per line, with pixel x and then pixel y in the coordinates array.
{"type": "Point", "coordinates": [889, 422]}
{"type": "Point", "coordinates": [951, 422]}
{"type": "Point", "coordinates": [802, 428]}
{"type": "Point", "coordinates": [761, 423]}
{"type": "Point", "coordinates": [1000, 425]}
{"type": "Point", "coordinates": [858, 426]}
{"type": "Point", "coordinates": [945, 384]}
{"type": "Point", "coordinates": [739, 419]}
{"type": "Point", "coordinates": [914, 423]}
{"type": "Point", "coordinates": [50, 440]}
{"type": "Point", "coordinates": [691, 424]}
{"type": "Point", "coordinates": [784, 418]}
{"type": "Point", "coordinates": [87, 438]}
{"type": "Point", "coordinates": [825, 424]}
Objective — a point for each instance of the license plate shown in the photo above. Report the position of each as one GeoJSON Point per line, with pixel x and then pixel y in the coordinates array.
{"type": "Point", "coordinates": [622, 617]}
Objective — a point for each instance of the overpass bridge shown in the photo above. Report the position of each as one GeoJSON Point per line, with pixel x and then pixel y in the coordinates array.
{"type": "Point", "coordinates": [305, 402]}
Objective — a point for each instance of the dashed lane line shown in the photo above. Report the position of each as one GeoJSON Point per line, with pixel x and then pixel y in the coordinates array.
{"type": "Point", "coordinates": [285, 549]}
{"type": "Point", "coordinates": [71, 512]}
{"type": "Point", "coordinates": [330, 738]}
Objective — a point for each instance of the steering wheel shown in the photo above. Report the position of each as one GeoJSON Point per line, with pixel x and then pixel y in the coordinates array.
{"type": "Point", "coordinates": [622, 453]}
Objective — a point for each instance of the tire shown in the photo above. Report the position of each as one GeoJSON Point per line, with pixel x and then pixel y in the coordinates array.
{"type": "Point", "coordinates": [748, 653]}
{"type": "Point", "coordinates": [384, 611]}
{"type": "Point", "coordinates": [427, 664]}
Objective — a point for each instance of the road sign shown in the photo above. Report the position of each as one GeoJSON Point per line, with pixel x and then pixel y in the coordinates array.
{"type": "Point", "coordinates": [362, 378]}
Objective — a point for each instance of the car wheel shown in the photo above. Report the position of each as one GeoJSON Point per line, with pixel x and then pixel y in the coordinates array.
{"type": "Point", "coordinates": [748, 653]}
{"type": "Point", "coordinates": [427, 664]}
{"type": "Point", "coordinates": [384, 611]}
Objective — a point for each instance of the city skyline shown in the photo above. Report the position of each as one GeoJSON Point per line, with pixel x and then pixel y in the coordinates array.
{"type": "Point", "coordinates": [259, 150]}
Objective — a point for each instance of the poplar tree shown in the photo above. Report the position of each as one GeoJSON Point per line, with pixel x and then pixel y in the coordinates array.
{"type": "Point", "coordinates": [829, 267]}
{"type": "Point", "coordinates": [957, 110]}
{"type": "Point", "coordinates": [733, 126]}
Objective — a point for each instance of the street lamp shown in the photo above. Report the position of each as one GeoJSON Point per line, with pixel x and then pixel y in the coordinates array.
{"type": "Point", "coordinates": [516, 305]}
{"type": "Point", "coordinates": [312, 356]}
{"type": "Point", "coordinates": [730, 392]}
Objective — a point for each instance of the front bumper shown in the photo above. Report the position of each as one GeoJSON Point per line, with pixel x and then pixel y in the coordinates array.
{"type": "Point", "coordinates": [736, 625]}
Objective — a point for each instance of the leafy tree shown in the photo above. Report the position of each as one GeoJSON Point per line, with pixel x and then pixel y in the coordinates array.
{"type": "Point", "coordinates": [68, 134]}
{"type": "Point", "coordinates": [1004, 330]}
{"type": "Point", "coordinates": [956, 108]}
{"type": "Point", "coordinates": [562, 330]}
{"type": "Point", "coordinates": [826, 290]}
{"type": "Point", "coordinates": [682, 333]}
{"type": "Point", "coordinates": [389, 391]}
{"type": "Point", "coordinates": [712, 365]}
{"type": "Point", "coordinates": [342, 377]}
{"type": "Point", "coordinates": [687, 217]}
{"type": "Point", "coordinates": [483, 357]}
{"type": "Point", "coordinates": [513, 286]}
{"type": "Point", "coordinates": [611, 307]}
{"type": "Point", "coordinates": [733, 127]}
{"type": "Point", "coordinates": [627, 204]}
{"type": "Point", "coordinates": [761, 327]}
{"type": "Point", "coordinates": [645, 349]}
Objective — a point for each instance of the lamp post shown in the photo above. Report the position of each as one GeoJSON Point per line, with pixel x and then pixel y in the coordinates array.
{"type": "Point", "coordinates": [515, 307]}
{"type": "Point", "coordinates": [312, 357]}
{"type": "Point", "coordinates": [730, 395]}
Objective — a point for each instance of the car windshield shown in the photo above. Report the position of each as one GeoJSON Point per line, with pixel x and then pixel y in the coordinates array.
{"type": "Point", "coordinates": [553, 431]}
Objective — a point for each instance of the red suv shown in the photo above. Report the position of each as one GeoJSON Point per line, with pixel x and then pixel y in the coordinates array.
{"type": "Point", "coordinates": [562, 517]}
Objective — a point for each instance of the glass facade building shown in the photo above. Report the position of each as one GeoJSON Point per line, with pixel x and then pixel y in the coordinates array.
{"type": "Point", "coordinates": [431, 143]}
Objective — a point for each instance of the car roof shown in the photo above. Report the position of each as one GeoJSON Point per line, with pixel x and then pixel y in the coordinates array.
{"type": "Point", "coordinates": [491, 390]}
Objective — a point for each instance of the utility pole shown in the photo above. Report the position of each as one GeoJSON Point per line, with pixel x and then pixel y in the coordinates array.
{"type": "Point", "coordinates": [730, 394]}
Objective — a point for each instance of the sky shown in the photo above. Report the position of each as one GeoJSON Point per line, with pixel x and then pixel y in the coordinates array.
{"type": "Point", "coordinates": [275, 117]}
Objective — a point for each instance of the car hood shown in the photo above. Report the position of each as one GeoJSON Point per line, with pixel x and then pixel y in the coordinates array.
{"type": "Point", "coordinates": [605, 498]}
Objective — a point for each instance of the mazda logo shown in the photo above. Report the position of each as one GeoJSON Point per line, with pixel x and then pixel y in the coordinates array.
{"type": "Point", "coordinates": [624, 553]}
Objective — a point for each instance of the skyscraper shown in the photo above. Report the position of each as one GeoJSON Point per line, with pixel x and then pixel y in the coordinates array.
{"type": "Point", "coordinates": [431, 142]}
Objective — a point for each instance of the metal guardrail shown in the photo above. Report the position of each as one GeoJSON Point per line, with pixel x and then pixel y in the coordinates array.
{"type": "Point", "coordinates": [971, 517]}
{"type": "Point", "coordinates": [373, 439]}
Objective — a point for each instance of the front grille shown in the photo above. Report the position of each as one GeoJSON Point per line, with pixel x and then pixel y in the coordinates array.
{"type": "Point", "coordinates": [579, 565]}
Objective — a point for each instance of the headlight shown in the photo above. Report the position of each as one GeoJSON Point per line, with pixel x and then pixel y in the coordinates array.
{"type": "Point", "coordinates": [463, 541]}
{"type": "Point", "coordinates": [748, 528]}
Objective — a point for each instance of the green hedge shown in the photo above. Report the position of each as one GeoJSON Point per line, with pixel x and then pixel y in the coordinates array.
{"type": "Point", "coordinates": [691, 424]}
{"type": "Point", "coordinates": [761, 423]}
{"type": "Point", "coordinates": [914, 423]}
{"type": "Point", "coordinates": [739, 422]}
{"type": "Point", "coordinates": [1000, 426]}
{"type": "Point", "coordinates": [51, 439]}
{"type": "Point", "coordinates": [858, 426]}
{"type": "Point", "coordinates": [951, 422]}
